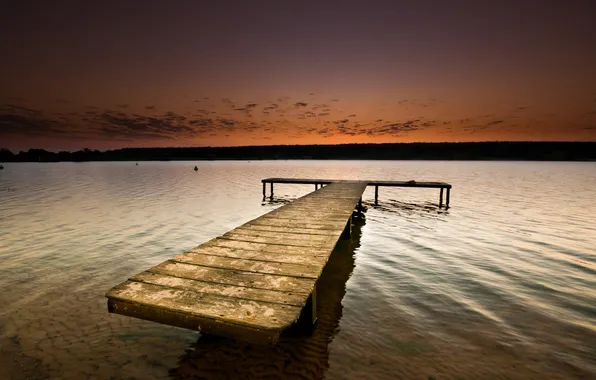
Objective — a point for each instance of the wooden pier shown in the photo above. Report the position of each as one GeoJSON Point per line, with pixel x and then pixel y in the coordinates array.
{"type": "Point", "coordinates": [258, 280]}
{"type": "Point", "coordinates": [253, 282]}
{"type": "Point", "coordinates": [320, 182]}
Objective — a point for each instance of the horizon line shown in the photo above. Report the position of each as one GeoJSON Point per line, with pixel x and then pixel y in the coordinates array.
{"type": "Point", "coordinates": [326, 145]}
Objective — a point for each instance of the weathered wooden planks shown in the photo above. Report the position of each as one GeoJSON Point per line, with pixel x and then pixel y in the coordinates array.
{"type": "Point", "coordinates": [274, 238]}
{"type": "Point", "coordinates": [250, 283]}
{"type": "Point", "coordinates": [235, 277]}
{"type": "Point", "coordinates": [263, 247]}
{"type": "Point", "coordinates": [289, 298]}
{"type": "Point", "coordinates": [321, 225]}
{"type": "Point", "coordinates": [250, 265]}
{"type": "Point", "coordinates": [286, 229]}
{"type": "Point", "coordinates": [314, 256]}
{"type": "Point", "coordinates": [234, 310]}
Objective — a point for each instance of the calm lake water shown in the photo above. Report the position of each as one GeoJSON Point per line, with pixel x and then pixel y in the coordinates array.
{"type": "Point", "coordinates": [500, 286]}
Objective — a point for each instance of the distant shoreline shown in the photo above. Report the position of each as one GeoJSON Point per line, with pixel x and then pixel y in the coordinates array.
{"type": "Point", "coordinates": [476, 151]}
{"type": "Point", "coordinates": [294, 159]}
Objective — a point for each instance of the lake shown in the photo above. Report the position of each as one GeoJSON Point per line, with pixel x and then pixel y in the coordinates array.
{"type": "Point", "coordinates": [501, 285]}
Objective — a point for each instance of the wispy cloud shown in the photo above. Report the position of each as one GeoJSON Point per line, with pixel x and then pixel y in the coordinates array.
{"type": "Point", "coordinates": [26, 121]}
{"type": "Point", "coordinates": [280, 117]}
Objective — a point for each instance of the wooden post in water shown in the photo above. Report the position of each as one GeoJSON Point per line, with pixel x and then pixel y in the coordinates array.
{"type": "Point", "coordinates": [376, 195]}
{"type": "Point", "coordinates": [311, 303]}
{"type": "Point", "coordinates": [441, 198]}
{"type": "Point", "coordinates": [447, 198]}
{"type": "Point", "coordinates": [316, 186]}
{"type": "Point", "coordinates": [271, 196]}
{"type": "Point", "coordinates": [264, 190]}
{"type": "Point", "coordinates": [308, 317]}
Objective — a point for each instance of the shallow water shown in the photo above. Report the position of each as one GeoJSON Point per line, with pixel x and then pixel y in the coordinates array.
{"type": "Point", "coordinates": [501, 285]}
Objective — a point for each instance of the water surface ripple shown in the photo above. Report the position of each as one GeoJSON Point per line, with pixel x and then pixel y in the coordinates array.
{"type": "Point", "coordinates": [502, 285]}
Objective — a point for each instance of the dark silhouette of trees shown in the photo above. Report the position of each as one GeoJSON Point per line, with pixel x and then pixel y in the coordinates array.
{"type": "Point", "coordinates": [544, 151]}
{"type": "Point", "coordinates": [6, 155]}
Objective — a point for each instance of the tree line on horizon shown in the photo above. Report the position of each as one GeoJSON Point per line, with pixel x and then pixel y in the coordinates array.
{"type": "Point", "coordinates": [542, 151]}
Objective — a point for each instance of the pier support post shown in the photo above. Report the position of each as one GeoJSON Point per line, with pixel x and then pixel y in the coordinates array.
{"type": "Point", "coordinates": [447, 198]}
{"type": "Point", "coordinates": [316, 186]}
{"type": "Point", "coordinates": [264, 190]}
{"type": "Point", "coordinates": [359, 212]}
{"type": "Point", "coordinates": [441, 198]}
{"type": "Point", "coordinates": [376, 195]}
{"type": "Point", "coordinates": [271, 196]}
{"type": "Point", "coordinates": [311, 303]}
{"type": "Point", "coordinates": [306, 323]}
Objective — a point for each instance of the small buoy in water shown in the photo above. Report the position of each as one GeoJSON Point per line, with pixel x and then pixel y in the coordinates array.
{"type": "Point", "coordinates": [137, 164]}
{"type": "Point", "coordinates": [196, 168]}
{"type": "Point", "coordinates": [1, 167]}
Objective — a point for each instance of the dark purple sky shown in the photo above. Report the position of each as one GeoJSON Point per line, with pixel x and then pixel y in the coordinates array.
{"type": "Point", "coordinates": [108, 74]}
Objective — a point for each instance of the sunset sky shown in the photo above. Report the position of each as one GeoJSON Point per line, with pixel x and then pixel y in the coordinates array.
{"type": "Point", "coordinates": [111, 74]}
